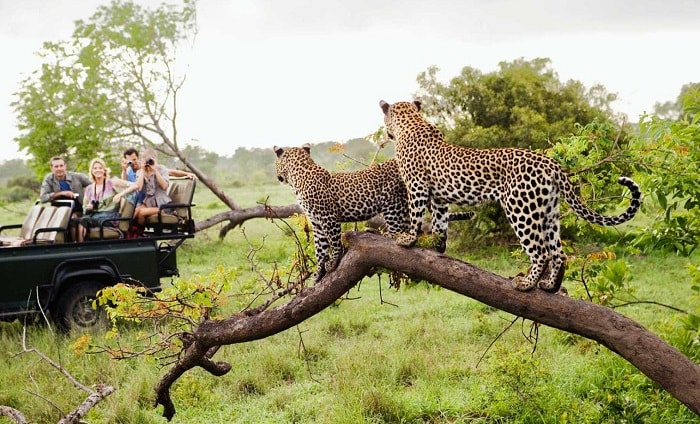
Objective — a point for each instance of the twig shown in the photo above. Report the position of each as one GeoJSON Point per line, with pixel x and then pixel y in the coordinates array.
{"type": "Point", "coordinates": [495, 340]}
{"type": "Point", "coordinates": [302, 349]}
{"type": "Point", "coordinates": [650, 302]}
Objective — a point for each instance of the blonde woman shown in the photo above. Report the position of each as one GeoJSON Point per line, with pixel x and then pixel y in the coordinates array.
{"type": "Point", "coordinates": [101, 198]}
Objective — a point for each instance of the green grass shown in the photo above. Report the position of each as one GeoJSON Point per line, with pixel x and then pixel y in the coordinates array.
{"type": "Point", "coordinates": [419, 354]}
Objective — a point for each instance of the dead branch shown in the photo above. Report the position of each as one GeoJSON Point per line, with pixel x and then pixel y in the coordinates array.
{"type": "Point", "coordinates": [101, 391]}
{"type": "Point", "coordinates": [13, 414]}
{"type": "Point", "coordinates": [239, 216]}
{"type": "Point", "coordinates": [662, 363]}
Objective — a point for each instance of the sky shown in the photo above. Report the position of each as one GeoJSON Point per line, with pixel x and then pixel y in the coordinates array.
{"type": "Point", "coordinates": [286, 72]}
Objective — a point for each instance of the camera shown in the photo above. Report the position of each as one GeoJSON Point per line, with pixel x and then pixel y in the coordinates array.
{"type": "Point", "coordinates": [150, 161]}
{"type": "Point", "coordinates": [130, 164]}
{"type": "Point", "coordinates": [95, 204]}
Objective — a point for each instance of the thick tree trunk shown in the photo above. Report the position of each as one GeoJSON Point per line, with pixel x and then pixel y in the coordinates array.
{"type": "Point", "coordinates": [657, 359]}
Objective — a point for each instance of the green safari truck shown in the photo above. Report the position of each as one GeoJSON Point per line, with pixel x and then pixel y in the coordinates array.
{"type": "Point", "coordinates": [45, 273]}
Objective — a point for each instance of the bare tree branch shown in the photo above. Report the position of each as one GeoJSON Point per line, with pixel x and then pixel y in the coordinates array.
{"type": "Point", "coordinates": [13, 414]}
{"type": "Point", "coordinates": [366, 252]}
{"type": "Point", "coordinates": [101, 391]}
{"type": "Point", "coordinates": [237, 217]}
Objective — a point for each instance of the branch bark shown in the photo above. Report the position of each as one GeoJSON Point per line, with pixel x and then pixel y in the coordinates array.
{"type": "Point", "coordinates": [237, 217]}
{"type": "Point", "coordinates": [662, 363]}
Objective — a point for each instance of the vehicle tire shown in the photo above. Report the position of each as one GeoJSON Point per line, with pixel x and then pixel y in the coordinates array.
{"type": "Point", "coordinates": [73, 309]}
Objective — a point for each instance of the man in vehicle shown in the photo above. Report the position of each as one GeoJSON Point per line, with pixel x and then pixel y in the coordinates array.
{"type": "Point", "coordinates": [61, 184]}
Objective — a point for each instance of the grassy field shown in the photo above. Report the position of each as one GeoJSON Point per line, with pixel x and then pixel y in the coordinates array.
{"type": "Point", "coordinates": [414, 355]}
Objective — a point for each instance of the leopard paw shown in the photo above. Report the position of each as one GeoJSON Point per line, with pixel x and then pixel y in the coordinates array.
{"type": "Point", "coordinates": [521, 282]}
{"type": "Point", "coordinates": [332, 263]}
{"type": "Point", "coordinates": [404, 239]}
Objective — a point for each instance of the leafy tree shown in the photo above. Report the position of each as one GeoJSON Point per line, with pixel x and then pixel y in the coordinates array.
{"type": "Point", "coordinates": [669, 153]}
{"type": "Point", "coordinates": [675, 110]}
{"type": "Point", "coordinates": [116, 83]}
{"type": "Point", "coordinates": [110, 85]}
{"type": "Point", "coordinates": [522, 104]}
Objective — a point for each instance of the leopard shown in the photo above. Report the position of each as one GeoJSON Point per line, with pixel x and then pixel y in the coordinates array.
{"type": "Point", "coordinates": [527, 185]}
{"type": "Point", "coordinates": [331, 198]}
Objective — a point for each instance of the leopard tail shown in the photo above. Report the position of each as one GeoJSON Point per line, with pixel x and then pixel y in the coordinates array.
{"type": "Point", "coordinates": [594, 217]}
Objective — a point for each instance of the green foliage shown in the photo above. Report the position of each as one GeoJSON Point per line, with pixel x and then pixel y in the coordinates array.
{"type": "Point", "coordinates": [174, 311]}
{"type": "Point", "coordinates": [688, 336]}
{"type": "Point", "coordinates": [379, 353]}
{"type": "Point", "coordinates": [106, 87]}
{"type": "Point", "coordinates": [669, 153]}
{"type": "Point", "coordinates": [522, 104]}
{"type": "Point", "coordinates": [605, 278]}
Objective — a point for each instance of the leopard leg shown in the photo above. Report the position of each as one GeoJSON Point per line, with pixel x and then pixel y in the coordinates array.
{"type": "Point", "coordinates": [417, 203]}
{"type": "Point", "coordinates": [552, 284]}
{"type": "Point", "coordinates": [396, 218]}
{"type": "Point", "coordinates": [336, 245]}
{"type": "Point", "coordinates": [321, 247]}
{"type": "Point", "coordinates": [529, 232]}
{"type": "Point", "coordinates": [439, 216]}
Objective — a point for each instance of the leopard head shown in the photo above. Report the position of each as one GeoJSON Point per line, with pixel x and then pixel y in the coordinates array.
{"type": "Point", "coordinates": [397, 113]}
{"type": "Point", "coordinates": [288, 159]}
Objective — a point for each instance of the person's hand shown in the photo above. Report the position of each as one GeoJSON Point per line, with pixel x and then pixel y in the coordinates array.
{"type": "Point", "coordinates": [125, 164]}
{"type": "Point", "coordinates": [117, 197]}
{"type": "Point", "coordinates": [88, 207]}
{"type": "Point", "coordinates": [65, 194]}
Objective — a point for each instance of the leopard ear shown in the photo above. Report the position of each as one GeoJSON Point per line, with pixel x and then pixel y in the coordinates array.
{"type": "Point", "coordinates": [417, 102]}
{"type": "Point", "coordinates": [278, 150]}
{"type": "Point", "coordinates": [385, 106]}
{"type": "Point", "coordinates": [306, 147]}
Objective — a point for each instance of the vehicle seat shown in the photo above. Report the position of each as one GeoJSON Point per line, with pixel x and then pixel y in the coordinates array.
{"type": "Point", "coordinates": [106, 232]}
{"type": "Point", "coordinates": [179, 218]}
{"type": "Point", "coordinates": [26, 228]}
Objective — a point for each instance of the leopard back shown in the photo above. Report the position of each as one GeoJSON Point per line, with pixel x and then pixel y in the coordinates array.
{"type": "Point", "coordinates": [525, 183]}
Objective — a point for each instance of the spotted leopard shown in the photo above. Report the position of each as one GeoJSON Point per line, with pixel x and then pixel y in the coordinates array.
{"type": "Point", "coordinates": [526, 184]}
{"type": "Point", "coordinates": [330, 198]}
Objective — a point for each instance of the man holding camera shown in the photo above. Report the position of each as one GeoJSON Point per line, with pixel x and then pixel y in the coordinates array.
{"type": "Point", "coordinates": [131, 165]}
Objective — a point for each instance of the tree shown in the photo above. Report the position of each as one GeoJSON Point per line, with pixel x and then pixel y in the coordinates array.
{"type": "Point", "coordinates": [668, 151]}
{"type": "Point", "coordinates": [114, 84]}
{"type": "Point", "coordinates": [675, 110]}
{"type": "Point", "coordinates": [522, 104]}
{"type": "Point", "coordinates": [368, 252]}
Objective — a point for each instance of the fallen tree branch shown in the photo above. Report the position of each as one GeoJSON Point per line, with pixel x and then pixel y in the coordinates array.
{"type": "Point", "coordinates": [101, 391]}
{"type": "Point", "coordinates": [237, 217]}
{"type": "Point", "coordinates": [13, 414]}
{"type": "Point", "coordinates": [662, 363]}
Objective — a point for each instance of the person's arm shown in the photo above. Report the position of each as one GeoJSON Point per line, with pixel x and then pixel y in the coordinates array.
{"type": "Point", "coordinates": [128, 188]}
{"type": "Point", "coordinates": [125, 165]}
{"type": "Point", "coordinates": [46, 190]}
{"type": "Point", "coordinates": [47, 194]}
{"type": "Point", "coordinates": [87, 204]}
{"type": "Point", "coordinates": [139, 179]}
{"type": "Point", "coordinates": [161, 179]}
{"type": "Point", "coordinates": [179, 173]}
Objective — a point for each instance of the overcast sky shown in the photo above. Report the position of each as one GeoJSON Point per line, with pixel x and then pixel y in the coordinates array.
{"type": "Point", "coordinates": [288, 72]}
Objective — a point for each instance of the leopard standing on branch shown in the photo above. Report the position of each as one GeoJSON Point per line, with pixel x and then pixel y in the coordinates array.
{"type": "Point", "coordinates": [526, 184]}
{"type": "Point", "coordinates": [330, 198]}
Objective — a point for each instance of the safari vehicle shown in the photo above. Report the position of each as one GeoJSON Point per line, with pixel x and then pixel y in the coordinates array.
{"type": "Point", "coordinates": [45, 272]}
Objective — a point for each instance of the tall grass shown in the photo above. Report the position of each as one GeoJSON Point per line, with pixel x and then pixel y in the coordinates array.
{"type": "Point", "coordinates": [419, 354]}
